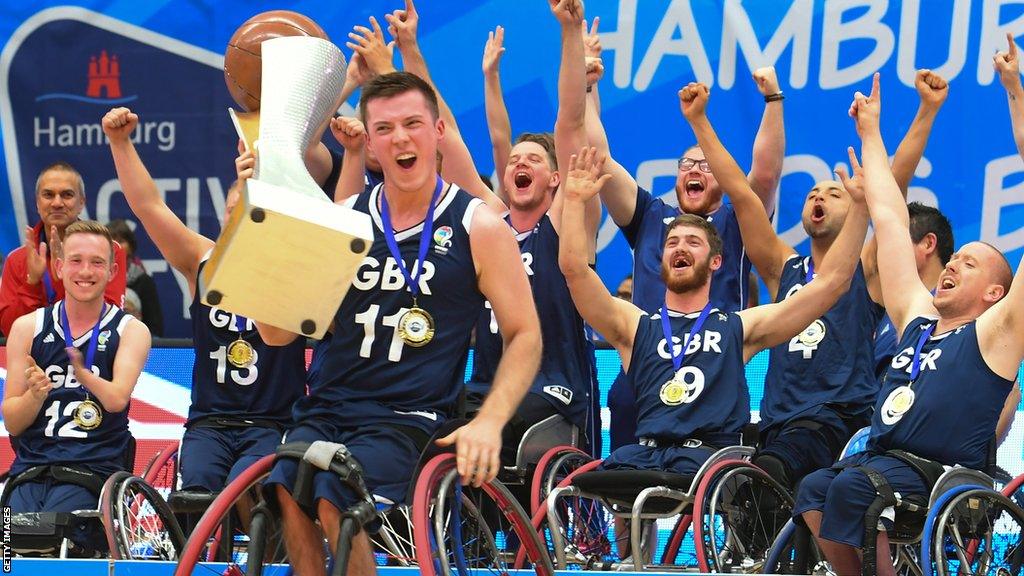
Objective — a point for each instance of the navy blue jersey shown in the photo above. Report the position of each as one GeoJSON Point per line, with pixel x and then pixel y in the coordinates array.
{"type": "Point", "coordinates": [831, 362]}
{"type": "Point", "coordinates": [646, 236]}
{"type": "Point", "coordinates": [564, 378]}
{"type": "Point", "coordinates": [885, 345]}
{"type": "Point", "coordinates": [367, 370]}
{"type": "Point", "coordinates": [957, 399]}
{"type": "Point", "coordinates": [266, 390]}
{"type": "Point", "coordinates": [716, 399]}
{"type": "Point", "coordinates": [53, 437]}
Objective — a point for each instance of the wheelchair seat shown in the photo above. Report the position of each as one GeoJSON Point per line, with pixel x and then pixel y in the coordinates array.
{"type": "Point", "coordinates": [190, 501]}
{"type": "Point", "coordinates": [621, 487]}
{"type": "Point", "coordinates": [552, 431]}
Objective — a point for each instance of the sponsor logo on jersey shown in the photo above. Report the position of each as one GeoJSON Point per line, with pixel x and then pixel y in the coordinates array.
{"type": "Point", "coordinates": [102, 339]}
{"type": "Point", "coordinates": [49, 338]}
{"type": "Point", "coordinates": [560, 393]}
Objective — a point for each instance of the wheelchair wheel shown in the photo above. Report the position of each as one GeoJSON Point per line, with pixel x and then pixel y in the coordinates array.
{"type": "Point", "coordinates": [552, 468]}
{"type": "Point", "coordinates": [138, 523]}
{"type": "Point", "coordinates": [247, 549]}
{"type": "Point", "coordinates": [461, 529]}
{"type": "Point", "coordinates": [738, 511]}
{"type": "Point", "coordinates": [979, 531]}
{"type": "Point", "coordinates": [680, 529]}
{"type": "Point", "coordinates": [162, 470]}
{"type": "Point", "coordinates": [393, 543]}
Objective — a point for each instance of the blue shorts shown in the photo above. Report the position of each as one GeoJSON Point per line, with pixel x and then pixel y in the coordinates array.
{"type": "Point", "coordinates": [622, 413]}
{"type": "Point", "coordinates": [212, 457]}
{"type": "Point", "coordinates": [804, 445]}
{"type": "Point", "coordinates": [387, 454]}
{"type": "Point", "coordinates": [48, 495]}
{"type": "Point", "coordinates": [676, 459]}
{"type": "Point", "coordinates": [844, 494]}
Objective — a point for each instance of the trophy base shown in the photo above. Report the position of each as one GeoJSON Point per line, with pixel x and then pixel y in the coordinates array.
{"type": "Point", "coordinates": [285, 259]}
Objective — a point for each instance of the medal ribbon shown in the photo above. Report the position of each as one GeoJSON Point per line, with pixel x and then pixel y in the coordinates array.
{"type": "Point", "coordinates": [69, 341]}
{"type": "Point", "coordinates": [51, 294]}
{"type": "Point", "coordinates": [810, 270]}
{"type": "Point", "coordinates": [666, 327]}
{"type": "Point", "coordinates": [241, 323]}
{"type": "Point", "coordinates": [428, 229]}
{"type": "Point", "coordinates": [915, 368]}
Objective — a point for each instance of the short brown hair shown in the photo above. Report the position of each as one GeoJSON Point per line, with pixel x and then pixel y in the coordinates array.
{"type": "Point", "coordinates": [394, 84]}
{"type": "Point", "coordinates": [694, 221]}
{"type": "Point", "coordinates": [90, 227]}
{"type": "Point", "coordinates": [545, 140]}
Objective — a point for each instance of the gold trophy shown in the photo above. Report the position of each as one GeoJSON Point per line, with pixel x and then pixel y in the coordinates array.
{"type": "Point", "coordinates": [288, 254]}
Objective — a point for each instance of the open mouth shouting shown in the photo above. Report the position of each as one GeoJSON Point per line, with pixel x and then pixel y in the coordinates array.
{"type": "Point", "coordinates": [522, 180]}
{"type": "Point", "coordinates": [681, 261]}
{"type": "Point", "coordinates": [946, 283]}
{"type": "Point", "coordinates": [818, 214]}
{"type": "Point", "coordinates": [406, 160]}
{"type": "Point", "coordinates": [695, 188]}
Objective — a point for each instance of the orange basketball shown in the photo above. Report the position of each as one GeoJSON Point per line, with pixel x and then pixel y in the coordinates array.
{"type": "Point", "coordinates": [242, 60]}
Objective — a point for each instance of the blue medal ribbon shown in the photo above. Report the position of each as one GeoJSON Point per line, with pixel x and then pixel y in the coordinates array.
{"type": "Point", "coordinates": [915, 367]}
{"type": "Point", "coordinates": [810, 270]}
{"type": "Point", "coordinates": [666, 327]}
{"type": "Point", "coordinates": [69, 341]}
{"type": "Point", "coordinates": [428, 229]}
{"type": "Point", "coordinates": [241, 324]}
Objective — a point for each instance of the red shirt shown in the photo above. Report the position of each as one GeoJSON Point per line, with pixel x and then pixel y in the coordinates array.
{"type": "Point", "coordinates": [18, 297]}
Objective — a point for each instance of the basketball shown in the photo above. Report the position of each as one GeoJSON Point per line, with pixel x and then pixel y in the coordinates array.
{"type": "Point", "coordinates": [242, 59]}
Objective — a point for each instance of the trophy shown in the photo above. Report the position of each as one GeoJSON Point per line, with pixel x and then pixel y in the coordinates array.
{"type": "Point", "coordinates": [288, 254]}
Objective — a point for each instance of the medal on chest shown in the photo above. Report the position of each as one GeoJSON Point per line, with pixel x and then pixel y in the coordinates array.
{"type": "Point", "coordinates": [241, 353]}
{"type": "Point", "coordinates": [416, 327]}
{"type": "Point", "coordinates": [901, 399]}
{"type": "Point", "coordinates": [676, 391]}
{"type": "Point", "coordinates": [87, 415]}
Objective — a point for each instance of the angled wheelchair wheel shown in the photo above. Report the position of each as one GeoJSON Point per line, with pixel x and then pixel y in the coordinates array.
{"type": "Point", "coordinates": [738, 511]}
{"type": "Point", "coordinates": [138, 523]}
{"type": "Point", "coordinates": [247, 547]}
{"type": "Point", "coordinates": [393, 543]}
{"type": "Point", "coordinates": [552, 468]}
{"type": "Point", "coordinates": [979, 531]}
{"type": "Point", "coordinates": [459, 530]}
{"type": "Point", "coordinates": [162, 470]}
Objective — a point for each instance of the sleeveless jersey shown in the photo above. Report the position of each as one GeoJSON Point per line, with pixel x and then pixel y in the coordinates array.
{"type": "Point", "coordinates": [53, 437]}
{"type": "Point", "coordinates": [367, 371]}
{"type": "Point", "coordinates": [885, 345]}
{"type": "Point", "coordinates": [831, 362]}
{"type": "Point", "coordinates": [266, 390]}
{"type": "Point", "coordinates": [716, 400]}
{"type": "Point", "coordinates": [564, 378]}
{"type": "Point", "coordinates": [957, 399]}
{"type": "Point", "coordinates": [646, 236]}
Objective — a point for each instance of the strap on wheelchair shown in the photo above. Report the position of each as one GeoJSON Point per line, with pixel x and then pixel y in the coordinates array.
{"type": "Point", "coordinates": [885, 498]}
{"type": "Point", "coordinates": [928, 470]}
{"type": "Point", "coordinates": [91, 481]}
{"type": "Point", "coordinates": [335, 458]}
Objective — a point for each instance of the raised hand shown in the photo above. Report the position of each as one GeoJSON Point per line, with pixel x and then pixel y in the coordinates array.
{"type": "Point", "coordinates": [854, 184]}
{"type": "Point", "coordinates": [591, 39]}
{"type": "Point", "coordinates": [245, 163]}
{"type": "Point", "coordinates": [56, 246]}
{"type": "Point", "coordinates": [38, 384]}
{"type": "Point", "coordinates": [585, 178]}
{"type": "Point", "coordinates": [595, 70]}
{"type": "Point", "coordinates": [493, 50]}
{"type": "Point", "coordinates": [349, 132]}
{"type": "Point", "coordinates": [377, 55]}
{"type": "Point", "coordinates": [1008, 65]}
{"type": "Point", "coordinates": [766, 80]}
{"type": "Point", "coordinates": [567, 12]}
{"type": "Point", "coordinates": [932, 88]}
{"type": "Point", "coordinates": [356, 74]}
{"type": "Point", "coordinates": [693, 100]}
{"type": "Point", "coordinates": [35, 252]}
{"type": "Point", "coordinates": [119, 123]}
{"type": "Point", "coordinates": [402, 25]}
{"type": "Point", "coordinates": [866, 110]}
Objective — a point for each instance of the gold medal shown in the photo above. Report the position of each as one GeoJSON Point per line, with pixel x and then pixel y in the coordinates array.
{"type": "Point", "coordinates": [813, 334]}
{"type": "Point", "coordinates": [416, 327]}
{"type": "Point", "coordinates": [88, 415]}
{"type": "Point", "coordinates": [897, 404]}
{"type": "Point", "coordinates": [673, 392]}
{"type": "Point", "coordinates": [241, 354]}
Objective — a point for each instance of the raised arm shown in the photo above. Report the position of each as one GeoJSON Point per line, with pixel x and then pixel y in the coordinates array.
{"type": "Point", "coordinates": [1008, 65]}
{"type": "Point", "coordinates": [770, 142]}
{"type": "Point", "coordinates": [498, 125]}
{"type": "Point", "coordinates": [767, 251]}
{"type": "Point", "coordinates": [456, 164]}
{"type": "Point", "coordinates": [613, 318]}
{"type": "Point", "coordinates": [132, 352]}
{"type": "Point", "coordinates": [772, 324]}
{"type": "Point", "coordinates": [932, 90]}
{"type": "Point", "coordinates": [902, 291]}
{"type": "Point", "coordinates": [351, 134]}
{"type": "Point", "coordinates": [502, 280]}
{"type": "Point", "coordinates": [182, 247]}
{"type": "Point", "coordinates": [570, 124]}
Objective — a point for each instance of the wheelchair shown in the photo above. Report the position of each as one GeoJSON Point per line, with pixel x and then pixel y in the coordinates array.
{"type": "Point", "coordinates": [725, 496]}
{"type": "Point", "coordinates": [133, 517]}
{"type": "Point", "coordinates": [964, 526]}
{"type": "Point", "coordinates": [447, 528]}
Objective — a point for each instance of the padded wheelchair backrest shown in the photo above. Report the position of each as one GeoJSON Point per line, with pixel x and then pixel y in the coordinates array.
{"type": "Point", "coordinates": [857, 443]}
{"type": "Point", "coordinates": [544, 435]}
{"type": "Point", "coordinates": [958, 476]}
